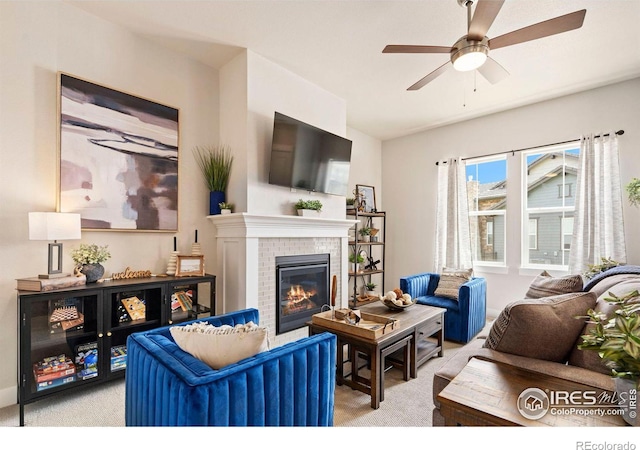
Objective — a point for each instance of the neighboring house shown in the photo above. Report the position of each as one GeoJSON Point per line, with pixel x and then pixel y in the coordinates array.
{"type": "Point", "coordinates": [551, 188]}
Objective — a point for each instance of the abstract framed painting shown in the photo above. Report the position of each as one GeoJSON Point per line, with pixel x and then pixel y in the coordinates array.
{"type": "Point", "coordinates": [118, 158]}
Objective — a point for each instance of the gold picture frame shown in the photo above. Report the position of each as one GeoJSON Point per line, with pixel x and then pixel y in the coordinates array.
{"type": "Point", "coordinates": [189, 266]}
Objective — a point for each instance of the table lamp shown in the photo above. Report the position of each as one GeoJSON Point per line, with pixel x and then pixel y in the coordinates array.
{"type": "Point", "coordinates": [53, 226]}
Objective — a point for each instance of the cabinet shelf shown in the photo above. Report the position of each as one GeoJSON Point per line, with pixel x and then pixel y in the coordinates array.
{"type": "Point", "coordinates": [66, 325]}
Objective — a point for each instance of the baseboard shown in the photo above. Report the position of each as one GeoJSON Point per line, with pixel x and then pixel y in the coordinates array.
{"type": "Point", "coordinates": [8, 396]}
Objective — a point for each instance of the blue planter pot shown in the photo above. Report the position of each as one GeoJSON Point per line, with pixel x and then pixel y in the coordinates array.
{"type": "Point", "coordinates": [216, 197]}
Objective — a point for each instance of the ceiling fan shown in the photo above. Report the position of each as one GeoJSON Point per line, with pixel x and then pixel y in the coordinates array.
{"type": "Point", "coordinates": [471, 51]}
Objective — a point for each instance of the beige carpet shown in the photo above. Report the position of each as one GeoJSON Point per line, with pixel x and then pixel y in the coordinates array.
{"type": "Point", "coordinates": [406, 404]}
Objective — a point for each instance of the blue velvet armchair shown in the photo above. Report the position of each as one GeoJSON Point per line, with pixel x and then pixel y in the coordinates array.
{"type": "Point", "coordinates": [290, 385]}
{"type": "Point", "coordinates": [465, 317]}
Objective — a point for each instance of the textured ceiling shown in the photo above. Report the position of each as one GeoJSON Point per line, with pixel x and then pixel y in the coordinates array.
{"type": "Point", "coordinates": [338, 46]}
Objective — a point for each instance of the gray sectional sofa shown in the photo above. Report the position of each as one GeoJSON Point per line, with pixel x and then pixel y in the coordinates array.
{"type": "Point", "coordinates": [557, 325]}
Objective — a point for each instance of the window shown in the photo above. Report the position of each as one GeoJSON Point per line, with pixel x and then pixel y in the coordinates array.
{"type": "Point", "coordinates": [548, 205]}
{"type": "Point", "coordinates": [567, 232]}
{"type": "Point", "coordinates": [533, 234]}
{"type": "Point", "coordinates": [486, 190]}
{"type": "Point", "coordinates": [564, 190]}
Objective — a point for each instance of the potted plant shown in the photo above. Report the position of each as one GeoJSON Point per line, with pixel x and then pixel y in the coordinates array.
{"type": "Point", "coordinates": [225, 208]}
{"type": "Point", "coordinates": [215, 164]}
{"type": "Point", "coordinates": [364, 233]}
{"type": "Point", "coordinates": [633, 191]}
{"type": "Point", "coordinates": [351, 203]}
{"type": "Point", "coordinates": [88, 258]}
{"type": "Point", "coordinates": [373, 232]}
{"type": "Point", "coordinates": [595, 269]}
{"type": "Point", "coordinates": [357, 259]}
{"type": "Point", "coordinates": [370, 289]}
{"type": "Point", "coordinates": [308, 207]}
{"type": "Point", "coordinates": [617, 341]}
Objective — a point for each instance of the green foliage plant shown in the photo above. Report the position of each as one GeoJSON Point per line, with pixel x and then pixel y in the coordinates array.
{"type": "Point", "coordinates": [90, 254]}
{"type": "Point", "coordinates": [364, 231]}
{"type": "Point", "coordinates": [314, 205]}
{"type": "Point", "coordinates": [356, 258]}
{"type": "Point", "coordinates": [633, 191]}
{"type": "Point", "coordinates": [595, 269]}
{"type": "Point", "coordinates": [370, 286]}
{"type": "Point", "coordinates": [225, 205]}
{"type": "Point", "coordinates": [351, 201]}
{"type": "Point", "coordinates": [617, 338]}
{"type": "Point", "coordinates": [215, 163]}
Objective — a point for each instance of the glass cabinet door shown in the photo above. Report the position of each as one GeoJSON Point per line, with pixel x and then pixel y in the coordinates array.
{"type": "Point", "coordinates": [130, 311]}
{"type": "Point", "coordinates": [62, 345]}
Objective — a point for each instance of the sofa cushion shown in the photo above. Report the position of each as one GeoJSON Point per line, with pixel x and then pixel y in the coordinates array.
{"type": "Point", "coordinates": [450, 282]}
{"type": "Point", "coordinates": [544, 285]}
{"type": "Point", "coordinates": [544, 328]}
{"type": "Point", "coordinates": [220, 346]}
{"type": "Point", "coordinates": [440, 302]}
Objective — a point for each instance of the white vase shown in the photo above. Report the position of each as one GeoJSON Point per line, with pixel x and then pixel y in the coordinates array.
{"type": "Point", "coordinates": [225, 211]}
{"type": "Point", "coordinates": [628, 390]}
{"type": "Point", "coordinates": [308, 212]}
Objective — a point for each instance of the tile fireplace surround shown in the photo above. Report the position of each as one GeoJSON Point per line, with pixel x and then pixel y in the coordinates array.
{"type": "Point", "coordinates": [246, 250]}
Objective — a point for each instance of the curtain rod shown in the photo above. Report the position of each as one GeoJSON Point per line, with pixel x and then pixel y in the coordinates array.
{"type": "Point", "coordinates": [619, 133]}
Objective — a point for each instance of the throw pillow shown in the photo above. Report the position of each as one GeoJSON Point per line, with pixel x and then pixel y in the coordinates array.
{"type": "Point", "coordinates": [220, 346]}
{"type": "Point", "coordinates": [450, 282]}
{"type": "Point", "coordinates": [544, 285]}
{"type": "Point", "coordinates": [544, 328]}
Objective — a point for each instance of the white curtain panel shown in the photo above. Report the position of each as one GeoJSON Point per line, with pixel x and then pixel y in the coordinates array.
{"type": "Point", "coordinates": [453, 243]}
{"type": "Point", "coordinates": [598, 228]}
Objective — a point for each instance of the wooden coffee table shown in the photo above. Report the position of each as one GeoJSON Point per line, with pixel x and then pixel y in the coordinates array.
{"type": "Point", "coordinates": [415, 324]}
{"type": "Point", "coordinates": [486, 393]}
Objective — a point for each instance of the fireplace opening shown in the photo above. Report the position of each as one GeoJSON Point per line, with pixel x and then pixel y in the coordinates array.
{"type": "Point", "coordinates": [302, 289]}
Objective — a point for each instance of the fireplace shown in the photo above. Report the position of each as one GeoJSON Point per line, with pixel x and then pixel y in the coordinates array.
{"type": "Point", "coordinates": [302, 289]}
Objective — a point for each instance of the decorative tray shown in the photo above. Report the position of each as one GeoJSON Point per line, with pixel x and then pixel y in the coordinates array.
{"type": "Point", "coordinates": [370, 326]}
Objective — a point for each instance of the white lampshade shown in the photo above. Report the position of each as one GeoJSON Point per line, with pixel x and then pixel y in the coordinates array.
{"type": "Point", "coordinates": [53, 226]}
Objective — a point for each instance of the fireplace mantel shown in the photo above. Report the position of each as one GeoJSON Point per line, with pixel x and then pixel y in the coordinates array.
{"type": "Point", "coordinates": [256, 226]}
{"type": "Point", "coordinates": [246, 248]}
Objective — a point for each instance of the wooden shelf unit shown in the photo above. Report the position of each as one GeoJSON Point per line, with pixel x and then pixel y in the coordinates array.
{"type": "Point", "coordinates": [370, 220]}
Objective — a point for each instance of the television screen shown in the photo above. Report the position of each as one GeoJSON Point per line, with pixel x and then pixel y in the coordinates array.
{"type": "Point", "coordinates": [308, 158]}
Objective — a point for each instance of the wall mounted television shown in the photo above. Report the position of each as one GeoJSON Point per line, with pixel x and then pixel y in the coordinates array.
{"type": "Point", "coordinates": [308, 158]}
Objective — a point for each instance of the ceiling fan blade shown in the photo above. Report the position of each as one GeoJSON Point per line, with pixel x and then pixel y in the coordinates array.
{"type": "Point", "coordinates": [432, 76]}
{"type": "Point", "coordinates": [416, 49]}
{"type": "Point", "coordinates": [484, 15]}
{"type": "Point", "coordinates": [539, 30]}
{"type": "Point", "coordinates": [492, 71]}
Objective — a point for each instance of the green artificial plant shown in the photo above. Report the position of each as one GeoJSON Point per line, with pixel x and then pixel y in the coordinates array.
{"type": "Point", "coordinates": [617, 338]}
{"type": "Point", "coordinates": [633, 191]}
{"type": "Point", "coordinates": [314, 205]}
{"type": "Point", "coordinates": [215, 163]}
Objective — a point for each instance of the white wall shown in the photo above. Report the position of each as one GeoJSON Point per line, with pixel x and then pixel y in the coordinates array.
{"type": "Point", "coordinates": [409, 174]}
{"type": "Point", "coordinates": [270, 88]}
{"type": "Point", "coordinates": [38, 39]}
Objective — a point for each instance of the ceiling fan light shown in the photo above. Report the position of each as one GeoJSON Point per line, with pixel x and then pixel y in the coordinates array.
{"type": "Point", "coordinates": [469, 55]}
{"type": "Point", "coordinates": [469, 59]}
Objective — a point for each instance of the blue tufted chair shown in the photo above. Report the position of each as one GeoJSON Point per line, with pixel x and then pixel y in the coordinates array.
{"type": "Point", "coordinates": [465, 317]}
{"type": "Point", "coordinates": [290, 385]}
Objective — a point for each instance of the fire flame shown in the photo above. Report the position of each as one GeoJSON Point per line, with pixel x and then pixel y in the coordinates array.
{"type": "Point", "coordinates": [298, 294]}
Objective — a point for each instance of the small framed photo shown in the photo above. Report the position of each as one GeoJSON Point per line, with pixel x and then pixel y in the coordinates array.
{"type": "Point", "coordinates": [190, 266]}
{"type": "Point", "coordinates": [367, 196]}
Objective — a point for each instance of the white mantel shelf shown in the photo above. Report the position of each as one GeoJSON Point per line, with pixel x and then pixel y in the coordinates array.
{"type": "Point", "coordinates": [275, 226]}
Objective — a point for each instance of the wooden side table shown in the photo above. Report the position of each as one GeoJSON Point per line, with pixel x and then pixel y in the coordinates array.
{"type": "Point", "coordinates": [486, 393]}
